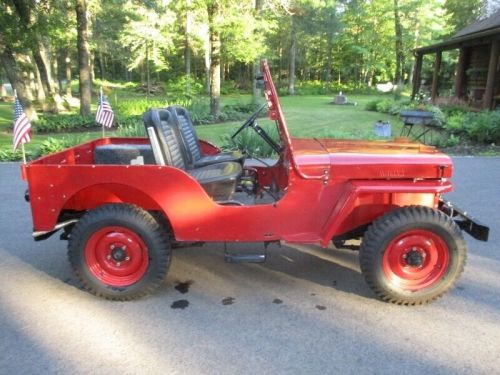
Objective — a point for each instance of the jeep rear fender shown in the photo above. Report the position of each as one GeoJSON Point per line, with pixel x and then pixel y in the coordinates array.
{"type": "Point", "coordinates": [58, 188]}
{"type": "Point", "coordinates": [361, 202]}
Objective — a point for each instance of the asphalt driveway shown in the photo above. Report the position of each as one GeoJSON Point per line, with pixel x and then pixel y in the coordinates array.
{"type": "Point", "coordinates": [306, 311]}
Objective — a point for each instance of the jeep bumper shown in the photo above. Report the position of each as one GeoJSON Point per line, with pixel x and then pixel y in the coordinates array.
{"type": "Point", "coordinates": [466, 222]}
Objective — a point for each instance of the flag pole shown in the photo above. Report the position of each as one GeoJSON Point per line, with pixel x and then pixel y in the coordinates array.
{"type": "Point", "coordinates": [22, 143]}
{"type": "Point", "coordinates": [24, 153]}
{"type": "Point", "coordinates": [100, 103]}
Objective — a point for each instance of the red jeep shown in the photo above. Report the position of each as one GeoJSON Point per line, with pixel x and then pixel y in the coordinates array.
{"type": "Point", "coordinates": [123, 203]}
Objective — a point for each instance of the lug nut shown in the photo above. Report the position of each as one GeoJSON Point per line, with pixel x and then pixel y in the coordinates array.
{"type": "Point", "coordinates": [108, 257]}
{"type": "Point", "coordinates": [127, 258]}
{"type": "Point", "coordinates": [119, 264]}
{"type": "Point", "coordinates": [405, 256]}
{"type": "Point", "coordinates": [112, 247]}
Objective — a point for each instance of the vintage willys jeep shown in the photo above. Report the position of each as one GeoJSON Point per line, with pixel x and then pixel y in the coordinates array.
{"type": "Point", "coordinates": [123, 203]}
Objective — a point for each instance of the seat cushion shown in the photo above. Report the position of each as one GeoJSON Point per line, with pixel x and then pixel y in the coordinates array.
{"type": "Point", "coordinates": [234, 156]}
{"type": "Point", "coordinates": [123, 153]}
{"type": "Point", "coordinates": [219, 180]}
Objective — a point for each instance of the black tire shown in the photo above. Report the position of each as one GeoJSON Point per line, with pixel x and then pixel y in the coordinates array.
{"type": "Point", "coordinates": [412, 255]}
{"type": "Point", "coordinates": [119, 252]}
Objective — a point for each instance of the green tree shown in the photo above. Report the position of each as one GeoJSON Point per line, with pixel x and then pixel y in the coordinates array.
{"type": "Point", "coordinates": [147, 35]}
{"type": "Point", "coordinates": [11, 47]}
{"type": "Point", "coordinates": [462, 13]}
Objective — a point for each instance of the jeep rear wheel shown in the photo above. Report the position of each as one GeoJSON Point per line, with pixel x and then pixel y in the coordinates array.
{"type": "Point", "coordinates": [119, 252]}
{"type": "Point", "coordinates": [412, 255]}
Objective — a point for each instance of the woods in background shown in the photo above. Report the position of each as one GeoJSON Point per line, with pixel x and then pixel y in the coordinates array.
{"type": "Point", "coordinates": [44, 44]}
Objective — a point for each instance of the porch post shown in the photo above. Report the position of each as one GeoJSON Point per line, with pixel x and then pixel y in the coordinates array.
{"type": "Point", "coordinates": [492, 70]}
{"type": "Point", "coordinates": [416, 75]}
{"type": "Point", "coordinates": [459, 78]}
{"type": "Point", "coordinates": [435, 76]}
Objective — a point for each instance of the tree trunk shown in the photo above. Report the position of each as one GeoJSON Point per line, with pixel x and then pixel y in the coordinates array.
{"type": "Point", "coordinates": [329, 63]}
{"type": "Point", "coordinates": [256, 91]}
{"type": "Point", "coordinates": [398, 76]}
{"type": "Point", "coordinates": [3, 91]}
{"type": "Point", "coordinates": [67, 61]}
{"type": "Point", "coordinates": [40, 93]}
{"type": "Point", "coordinates": [42, 60]}
{"type": "Point", "coordinates": [30, 83]}
{"type": "Point", "coordinates": [329, 49]}
{"type": "Point", "coordinates": [44, 73]}
{"type": "Point", "coordinates": [83, 57]}
{"type": "Point", "coordinates": [142, 73]}
{"type": "Point", "coordinates": [16, 80]}
{"type": "Point", "coordinates": [293, 54]}
{"type": "Point", "coordinates": [215, 46]}
{"type": "Point", "coordinates": [207, 63]}
{"type": "Point", "coordinates": [148, 73]}
{"type": "Point", "coordinates": [187, 40]}
{"type": "Point", "coordinates": [100, 61]}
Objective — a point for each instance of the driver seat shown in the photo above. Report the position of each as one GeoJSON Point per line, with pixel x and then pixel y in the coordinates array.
{"type": "Point", "coordinates": [191, 143]}
{"type": "Point", "coordinates": [218, 180]}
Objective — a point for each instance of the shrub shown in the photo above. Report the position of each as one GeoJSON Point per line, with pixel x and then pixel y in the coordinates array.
{"type": "Point", "coordinates": [62, 123]}
{"type": "Point", "coordinates": [481, 127]}
{"type": "Point", "coordinates": [137, 107]}
{"type": "Point", "coordinates": [372, 105]}
{"type": "Point", "coordinates": [9, 155]}
{"type": "Point", "coordinates": [51, 145]}
{"type": "Point", "coordinates": [385, 105]}
{"type": "Point", "coordinates": [454, 123]}
{"type": "Point", "coordinates": [484, 127]}
{"type": "Point", "coordinates": [131, 127]}
{"type": "Point", "coordinates": [250, 142]}
{"type": "Point", "coordinates": [184, 88]}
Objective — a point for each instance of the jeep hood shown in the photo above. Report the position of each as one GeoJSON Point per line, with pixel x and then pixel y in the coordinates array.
{"type": "Point", "coordinates": [357, 159]}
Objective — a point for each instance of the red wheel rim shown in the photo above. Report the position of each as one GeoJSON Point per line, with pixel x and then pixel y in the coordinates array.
{"type": "Point", "coordinates": [416, 259]}
{"type": "Point", "coordinates": [116, 256]}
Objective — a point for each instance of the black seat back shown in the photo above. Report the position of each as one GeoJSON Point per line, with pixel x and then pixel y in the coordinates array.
{"type": "Point", "coordinates": [188, 133]}
{"type": "Point", "coordinates": [162, 122]}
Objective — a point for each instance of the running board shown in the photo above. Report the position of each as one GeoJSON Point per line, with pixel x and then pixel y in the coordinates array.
{"type": "Point", "coordinates": [244, 253]}
{"type": "Point", "coordinates": [244, 258]}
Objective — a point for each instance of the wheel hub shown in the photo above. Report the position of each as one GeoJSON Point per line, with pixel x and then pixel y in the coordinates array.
{"type": "Point", "coordinates": [414, 258]}
{"type": "Point", "coordinates": [118, 254]}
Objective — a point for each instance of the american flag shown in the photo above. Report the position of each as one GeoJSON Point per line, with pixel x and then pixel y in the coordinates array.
{"type": "Point", "coordinates": [22, 125]}
{"type": "Point", "coordinates": [104, 115]}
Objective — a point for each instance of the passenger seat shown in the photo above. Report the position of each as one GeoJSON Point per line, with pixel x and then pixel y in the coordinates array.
{"type": "Point", "coordinates": [192, 144]}
{"type": "Point", "coordinates": [219, 180]}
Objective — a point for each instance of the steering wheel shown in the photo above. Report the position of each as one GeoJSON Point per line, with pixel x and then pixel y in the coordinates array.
{"type": "Point", "coordinates": [250, 121]}
{"type": "Point", "coordinates": [261, 132]}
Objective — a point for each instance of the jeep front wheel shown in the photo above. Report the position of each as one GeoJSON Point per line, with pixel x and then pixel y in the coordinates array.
{"type": "Point", "coordinates": [119, 252]}
{"type": "Point", "coordinates": [412, 255]}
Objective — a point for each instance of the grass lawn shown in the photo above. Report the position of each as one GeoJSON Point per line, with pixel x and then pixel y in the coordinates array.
{"type": "Point", "coordinates": [306, 116]}
{"type": "Point", "coordinates": [314, 116]}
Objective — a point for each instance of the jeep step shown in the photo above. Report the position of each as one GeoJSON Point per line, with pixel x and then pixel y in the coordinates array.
{"type": "Point", "coordinates": [244, 258]}
{"type": "Point", "coordinates": [244, 253]}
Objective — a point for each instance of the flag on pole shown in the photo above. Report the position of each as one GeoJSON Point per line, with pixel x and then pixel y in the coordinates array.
{"type": "Point", "coordinates": [22, 125]}
{"type": "Point", "coordinates": [104, 115]}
